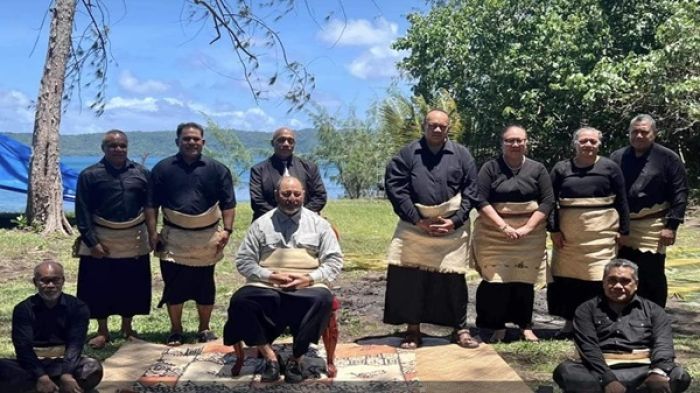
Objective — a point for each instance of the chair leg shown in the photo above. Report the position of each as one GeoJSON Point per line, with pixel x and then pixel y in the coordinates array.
{"type": "Point", "coordinates": [240, 358]}
{"type": "Point", "coordinates": [330, 341]}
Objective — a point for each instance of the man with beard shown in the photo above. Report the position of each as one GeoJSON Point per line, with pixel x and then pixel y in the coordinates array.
{"type": "Point", "coordinates": [287, 256]}
{"type": "Point", "coordinates": [48, 332]}
{"type": "Point", "coordinates": [625, 341]}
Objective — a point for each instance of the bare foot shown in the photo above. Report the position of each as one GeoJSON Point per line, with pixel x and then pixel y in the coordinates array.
{"type": "Point", "coordinates": [497, 336]}
{"type": "Point", "coordinates": [99, 341]}
{"type": "Point", "coordinates": [529, 335]}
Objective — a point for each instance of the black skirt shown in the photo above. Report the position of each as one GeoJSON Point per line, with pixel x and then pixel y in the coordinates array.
{"type": "Point", "coordinates": [416, 296]}
{"type": "Point", "coordinates": [183, 283]}
{"type": "Point", "coordinates": [115, 286]}
{"type": "Point", "coordinates": [500, 303]}
{"type": "Point", "coordinates": [565, 294]}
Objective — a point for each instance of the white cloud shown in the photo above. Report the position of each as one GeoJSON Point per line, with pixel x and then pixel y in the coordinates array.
{"type": "Point", "coordinates": [131, 84]}
{"type": "Point", "coordinates": [16, 113]}
{"type": "Point", "coordinates": [296, 123]}
{"type": "Point", "coordinates": [358, 32]}
{"type": "Point", "coordinates": [147, 104]}
{"type": "Point", "coordinates": [375, 63]}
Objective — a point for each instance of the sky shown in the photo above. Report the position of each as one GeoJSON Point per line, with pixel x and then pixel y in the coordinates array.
{"type": "Point", "coordinates": [164, 70]}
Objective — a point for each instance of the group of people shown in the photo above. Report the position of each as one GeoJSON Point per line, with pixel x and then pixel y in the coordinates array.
{"type": "Point", "coordinates": [596, 209]}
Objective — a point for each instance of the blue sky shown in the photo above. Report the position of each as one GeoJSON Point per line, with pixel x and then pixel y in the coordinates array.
{"type": "Point", "coordinates": [165, 72]}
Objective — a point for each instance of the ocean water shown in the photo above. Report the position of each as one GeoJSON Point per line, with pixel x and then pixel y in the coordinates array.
{"type": "Point", "coordinates": [15, 202]}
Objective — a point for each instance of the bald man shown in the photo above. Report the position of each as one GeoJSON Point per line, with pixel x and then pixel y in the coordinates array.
{"type": "Point", "coordinates": [287, 257]}
{"type": "Point", "coordinates": [265, 175]}
{"type": "Point", "coordinates": [48, 332]}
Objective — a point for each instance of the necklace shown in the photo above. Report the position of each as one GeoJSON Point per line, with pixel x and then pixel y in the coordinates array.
{"type": "Point", "coordinates": [516, 168]}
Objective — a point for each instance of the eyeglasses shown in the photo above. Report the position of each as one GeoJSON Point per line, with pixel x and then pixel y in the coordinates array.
{"type": "Point", "coordinates": [117, 145]}
{"type": "Point", "coordinates": [612, 281]}
{"type": "Point", "coordinates": [513, 141]}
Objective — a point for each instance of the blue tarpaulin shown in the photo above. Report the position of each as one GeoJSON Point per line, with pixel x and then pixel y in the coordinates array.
{"type": "Point", "coordinates": [14, 169]}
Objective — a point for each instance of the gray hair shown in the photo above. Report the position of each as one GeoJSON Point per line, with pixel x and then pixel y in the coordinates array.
{"type": "Point", "coordinates": [578, 132]}
{"type": "Point", "coordinates": [619, 262]}
{"type": "Point", "coordinates": [286, 179]}
{"type": "Point", "coordinates": [643, 118]}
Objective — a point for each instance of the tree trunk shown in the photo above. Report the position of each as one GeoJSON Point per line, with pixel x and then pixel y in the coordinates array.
{"type": "Point", "coordinates": [45, 196]}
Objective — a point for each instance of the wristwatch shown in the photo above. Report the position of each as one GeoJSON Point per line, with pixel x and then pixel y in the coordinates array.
{"type": "Point", "coordinates": [229, 230]}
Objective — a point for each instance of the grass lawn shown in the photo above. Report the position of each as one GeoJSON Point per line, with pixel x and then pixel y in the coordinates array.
{"type": "Point", "coordinates": [365, 229]}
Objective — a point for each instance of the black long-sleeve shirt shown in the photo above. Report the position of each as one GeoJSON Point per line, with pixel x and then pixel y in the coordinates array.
{"type": "Point", "coordinates": [416, 175]}
{"type": "Point", "coordinates": [642, 324]}
{"type": "Point", "coordinates": [35, 325]}
{"type": "Point", "coordinates": [191, 188]}
{"type": "Point", "coordinates": [111, 193]}
{"type": "Point", "coordinates": [498, 183]}
{"type": "Point", "coordinates": [656, 177]}
{"type": "Point", "coordinates": [265, 175]}
{"type": "Point", "coordinates": [602, 179]}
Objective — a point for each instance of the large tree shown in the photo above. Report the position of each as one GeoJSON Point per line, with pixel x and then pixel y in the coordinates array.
{"type": "Point", "coordinates": [556, 65]}
{"type": "Point", "coordinates": [68, 57]}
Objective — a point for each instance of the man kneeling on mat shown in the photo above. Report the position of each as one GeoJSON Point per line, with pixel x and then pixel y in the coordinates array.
{"type": "Point", "coordinates": [286, 255]}
{"type": "Point", "coordinates": [625, 341]}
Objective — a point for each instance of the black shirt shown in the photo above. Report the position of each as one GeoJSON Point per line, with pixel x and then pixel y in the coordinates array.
{"type": "Point", "coordinates": [602, 179]}
{"type": "Point", "coordinates": [642, 324]}
{"type": "Point", "coordinates": [114, 194]}
{"type": "Point", "coordinates": [416, 175]}
{"type": "Point", "coordinates": [265, 175]}
{"type": "Point", "coordinates": [498, 183]}
{"type": "Point", "coordinates": [35, 325]}
{"type": "Point", "coordinates": [191, 188]}
{"type": "Point", "coordinates": [656, 177]}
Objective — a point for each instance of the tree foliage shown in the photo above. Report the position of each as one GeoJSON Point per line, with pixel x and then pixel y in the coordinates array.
{"type": "Point", "coordinates": [556, 65]}
{"type": "Point", "coordinates": [356, 148]}
{"type": "Point", "coordinates": [228, 149]}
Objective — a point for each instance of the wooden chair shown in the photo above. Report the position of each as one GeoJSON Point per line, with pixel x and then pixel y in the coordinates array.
{"type": "Point", "coordinates": [330, 341]}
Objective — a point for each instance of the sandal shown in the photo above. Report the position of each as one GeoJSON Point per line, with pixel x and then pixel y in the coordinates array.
{"type": "Point", "coordinates": [174, 340]}
{"type": "Point", "coordinates": [498, 336]}
{"type": "Point", "coordinates": [464, 339]}
{"type": "Point", "coordinates": [411, 340]}
{"type": "Point", "coordinates": [99, 341]}
{"type": "Point", "coordinates": [205, 336]}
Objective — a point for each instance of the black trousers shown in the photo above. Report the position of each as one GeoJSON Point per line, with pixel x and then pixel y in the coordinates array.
{"type": "Point", "coordinates": [565, 294]}
{"type": "Point", "coordinates": [499, 303]}
{"type": "Point", "coordinates": [575, 377]}
{"type": "Point", "coordinates": [15, 379]}
{"type": "Point", "coordinates": [257, 316]}
{"type": "Point", "coordinates": [652, 274]}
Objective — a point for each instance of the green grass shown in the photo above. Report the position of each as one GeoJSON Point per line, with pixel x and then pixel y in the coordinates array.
{"type": "Point", "coordinates": [365, 228]}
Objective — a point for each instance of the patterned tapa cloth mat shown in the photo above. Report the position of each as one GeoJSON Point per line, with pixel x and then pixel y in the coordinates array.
{"type": "Point", "coordinates": [196, 368]}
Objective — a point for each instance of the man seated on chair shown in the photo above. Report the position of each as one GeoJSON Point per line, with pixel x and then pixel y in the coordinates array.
{"type": "Point", "coordinates": [48, 332]}
{"type": "Point", "coordinates": [625, 341]}
{"type": "Point", "coordinates": [285, 257]}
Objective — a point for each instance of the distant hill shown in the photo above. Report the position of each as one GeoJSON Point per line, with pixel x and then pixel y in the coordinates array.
{"type": "Point", "coordinates": [162, 143]}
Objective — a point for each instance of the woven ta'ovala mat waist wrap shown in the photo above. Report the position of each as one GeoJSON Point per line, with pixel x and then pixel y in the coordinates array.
{"type": "Point", "coordinates": [125, 239]}
{"type": "Point", "coordinates": [191, 240]}
{"type": "Point", "coordinates": [589, 226]}
{"type": "Point", "coordinates": [412, 247]}
{"type": "Point", "coordinates": [499, 259]}
{"type": "Point", "coordinates": [288, 260]}
{"type": "Point", "coordinates": [645, 229]}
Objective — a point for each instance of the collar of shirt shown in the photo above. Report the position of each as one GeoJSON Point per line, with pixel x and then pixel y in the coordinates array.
{"type": "Point", "coordinates": [128, 164]}
{"type": "Point", "coordinates": [284, 219]}
{"type": "Point", "coordinates": [38, 302]}
{"type": "Point", "coordinates": [635, 302]}
{"type": "Point", "coordinates": [279, 163]}
{"type": "Point", "coordinates": [181, 161]}
{"type": "Point", "coordinates": [447, 147]}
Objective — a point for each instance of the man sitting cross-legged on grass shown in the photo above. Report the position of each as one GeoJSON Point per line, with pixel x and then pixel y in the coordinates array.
{"type": "Point", "coordinates": [625, 341]}
{"type": "Point", "coordinates": [285, 256]}
{"type": "Point", "coordinates": [48, 332]}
